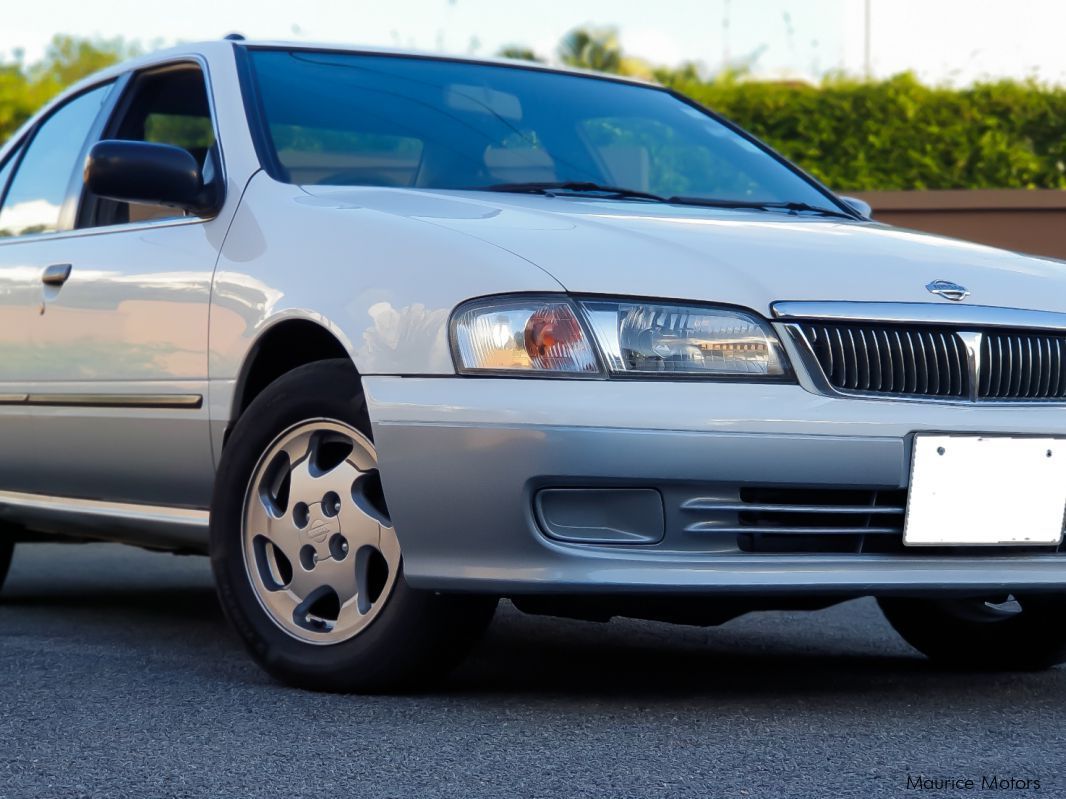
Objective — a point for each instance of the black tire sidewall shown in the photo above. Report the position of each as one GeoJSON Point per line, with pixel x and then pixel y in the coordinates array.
{"type": "Point", "coordinates": [392, 649]}
{"type": "Point", "coordinates": [1032, 640]}
{"type": "Point", "coordinates": [7, 550]}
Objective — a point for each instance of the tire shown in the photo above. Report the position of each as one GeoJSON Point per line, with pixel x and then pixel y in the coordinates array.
{"type": "Point", "coordinates": [7, 549]}
{"type": "Point", "coordinates": [1006, 633]}
{"type": "Point", "coordinates": [307, 566]}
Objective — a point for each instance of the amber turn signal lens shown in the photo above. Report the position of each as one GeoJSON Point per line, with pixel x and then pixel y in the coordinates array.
{"type": "Point", "coordinates": [522, 334]}
{"type": "Point", "coordinates": [550, 327]}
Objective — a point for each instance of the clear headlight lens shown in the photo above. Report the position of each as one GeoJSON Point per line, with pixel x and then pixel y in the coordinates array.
{"type": "Point", "coordinates": [522, 335]}
{"type": "Point", "coordinates": [555, 336]}
{"type": "Point", "coordinates": [649, 338]}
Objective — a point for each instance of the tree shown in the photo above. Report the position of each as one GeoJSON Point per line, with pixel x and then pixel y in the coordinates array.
{"type": "Point", "coordinates": [68, 59]}
{"type": "Point", "coordinates": [25, 88]}
{"type": "Point", "coordinates": [519, 52]}
{"type": "Point", "coordinates": [592, 48]}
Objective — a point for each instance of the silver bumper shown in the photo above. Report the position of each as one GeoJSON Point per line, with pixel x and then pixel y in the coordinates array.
{"type": "Point", "coordinates": [463, 460]}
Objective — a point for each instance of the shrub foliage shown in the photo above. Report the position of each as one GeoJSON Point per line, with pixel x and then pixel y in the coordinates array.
{"type": "Point", "coordinates": [854, 135]}
{"type": "Point", "coordinates": [901, 134]}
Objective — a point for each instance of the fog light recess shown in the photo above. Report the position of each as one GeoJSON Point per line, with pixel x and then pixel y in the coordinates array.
{"type": "Point", "coordinates": [601, 515]}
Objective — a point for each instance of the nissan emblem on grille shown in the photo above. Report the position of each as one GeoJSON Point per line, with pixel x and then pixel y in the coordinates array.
{"type": "Point", "coordinates": [948, 290]}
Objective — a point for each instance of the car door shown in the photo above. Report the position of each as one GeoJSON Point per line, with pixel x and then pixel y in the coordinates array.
{"type": "Point", "coordinates": [120, 343]}
{"type": "Point", "coordinates": [35, 181]}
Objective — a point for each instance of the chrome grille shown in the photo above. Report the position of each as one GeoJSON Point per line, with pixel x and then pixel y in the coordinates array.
{"type": "Point", "coordinates": [939, 363]}
{"type": "Point", "coordinates": [1021, 366]}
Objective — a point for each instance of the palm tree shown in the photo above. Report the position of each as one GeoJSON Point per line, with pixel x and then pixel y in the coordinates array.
{"type": "Point", "coordinates": [592, 48]}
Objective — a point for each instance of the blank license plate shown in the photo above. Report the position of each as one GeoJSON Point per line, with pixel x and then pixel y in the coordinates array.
{"type": "Point", "coordinates": [986, 491]}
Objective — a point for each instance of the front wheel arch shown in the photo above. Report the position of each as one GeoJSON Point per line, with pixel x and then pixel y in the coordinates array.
{"type": "Point", "coordinates": [417, 636]}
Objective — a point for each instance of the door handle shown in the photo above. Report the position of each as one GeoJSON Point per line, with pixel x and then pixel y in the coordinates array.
{"type": "Point", "coordinates": [56, 274]}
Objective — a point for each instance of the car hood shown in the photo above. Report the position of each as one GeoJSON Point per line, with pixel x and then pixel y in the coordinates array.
{"type": "Point", "coordinates": [752, 259]}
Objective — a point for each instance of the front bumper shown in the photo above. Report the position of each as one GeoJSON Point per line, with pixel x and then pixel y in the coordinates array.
{"type": "Point", "coordinates": [462, 461]}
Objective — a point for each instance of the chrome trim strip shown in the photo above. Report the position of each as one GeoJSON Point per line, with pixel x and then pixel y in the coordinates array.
{"type": "Point", "coordinates": [185, 401]}
{"type": "Point", "coordinates": [714, 527]}
{"type": "Point", "coordinates": [708, 504]}
{"type": "Point", "coordinates": [920, 313]}
{"type": "Point", "coordinates": [183, 517]}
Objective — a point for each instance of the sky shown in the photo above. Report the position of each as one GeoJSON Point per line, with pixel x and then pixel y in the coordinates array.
{"type": "Point", "coordinates": [943, 41]}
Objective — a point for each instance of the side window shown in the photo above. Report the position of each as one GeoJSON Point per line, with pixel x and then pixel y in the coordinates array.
{"type": "Point", "coordinates": [34, 200]}
{"type": "Point", "coordinates": [168, 106]}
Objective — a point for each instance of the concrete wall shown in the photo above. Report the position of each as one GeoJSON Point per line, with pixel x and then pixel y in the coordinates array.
{"type": "Point", "coordinates": [1027, 221]}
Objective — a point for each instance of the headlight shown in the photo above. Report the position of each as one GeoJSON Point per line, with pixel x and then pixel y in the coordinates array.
{"type": "Point", "coordinates": [555, 337]}
{"type": "Point", "coordinates": [652, 338]}
{"type": "Point", "coordinates": [522, 335]}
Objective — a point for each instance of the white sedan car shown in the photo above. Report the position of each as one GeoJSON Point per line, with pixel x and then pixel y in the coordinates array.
{"type": "Point", "coordinates": [392, 336]}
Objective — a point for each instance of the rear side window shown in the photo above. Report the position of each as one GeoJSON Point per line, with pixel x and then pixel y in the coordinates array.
{"type": "Point", "coordinates": [34, 199]}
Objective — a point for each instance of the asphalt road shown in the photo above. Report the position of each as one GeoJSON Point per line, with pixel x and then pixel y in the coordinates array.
{"type": "Point", "coordinates": [120, 679]}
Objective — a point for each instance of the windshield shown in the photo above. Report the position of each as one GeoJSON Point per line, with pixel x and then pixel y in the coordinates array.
{"type": "Point", "coordinates": [379, 120]}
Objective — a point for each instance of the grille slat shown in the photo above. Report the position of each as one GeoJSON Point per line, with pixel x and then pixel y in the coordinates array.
{"type": "Point", "coordinates": [923, 365]}
{"type": "Point", "coordinates": [1006, 362]}
{"type": "Point", "coordinates": [851, 362]}
{"type": "Point", "coordinates": [984, 385]}
{"type": "Point", "coordinates": [907, 363]}
{"type": "Point", "coordinates": [1016, 366]}
{"type": "Point", "coordinates": [876, 372]}
{"type": "Point", "coordinates": [911, 361]}
{"type": "Point", "coordinates": [1055, 386]}
{"type": "Point", "coordinates": [1045, 383]}
{"type": "Point", "coordinates": [799, 515]}
{"type": "Point", "coordinates": [934, 372]}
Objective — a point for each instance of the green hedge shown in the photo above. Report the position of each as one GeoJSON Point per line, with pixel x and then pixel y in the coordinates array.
{"type": "Point", "coordinates": [900, 134]}
{"type": "Point", "coordinates": [893, 134]}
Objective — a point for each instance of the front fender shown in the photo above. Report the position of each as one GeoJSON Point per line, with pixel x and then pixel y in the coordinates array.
{"type": "Point", "coordinates": [383, 283]}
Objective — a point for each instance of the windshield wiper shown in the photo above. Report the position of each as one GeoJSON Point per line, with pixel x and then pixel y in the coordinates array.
{"type": "Point", "coordinates": [575, 188]}
{"type": "Point", "coordinates": [758, 205]}
{"type": "Point", "coordinates": [582, 188]}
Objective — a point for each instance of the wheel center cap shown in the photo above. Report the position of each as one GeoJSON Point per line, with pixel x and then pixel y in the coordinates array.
{"type": "Point", "coordinates": [319, 526]}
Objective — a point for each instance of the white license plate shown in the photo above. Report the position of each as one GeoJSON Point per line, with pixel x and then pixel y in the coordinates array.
{"type": "Point", "coordinates": [986, 491]}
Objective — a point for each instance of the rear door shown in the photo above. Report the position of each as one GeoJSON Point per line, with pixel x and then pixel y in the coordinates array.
{"type": "Point", "coordinates": [36, 207]}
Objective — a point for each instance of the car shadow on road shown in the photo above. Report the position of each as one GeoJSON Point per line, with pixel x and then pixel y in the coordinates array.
{"type": "Point", "coordinates": [790, 656]}
{"type": "Point", "coordinates": [168, 605]}
{"type": "Point", "coordinates": [790, 659]}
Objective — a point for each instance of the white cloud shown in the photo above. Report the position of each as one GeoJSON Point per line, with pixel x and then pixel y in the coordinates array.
{"type": "Point", "coordinates": [32, 213]}
{"type": "Point", "coordinates": [651, 44]}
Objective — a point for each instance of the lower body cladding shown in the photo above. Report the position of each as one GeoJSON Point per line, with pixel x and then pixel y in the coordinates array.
{"type": "Point", "coordinates": [617, 488]}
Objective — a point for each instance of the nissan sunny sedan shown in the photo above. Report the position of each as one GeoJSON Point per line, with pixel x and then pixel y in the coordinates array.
{"type": "Point", "coordinates": [392, 336]}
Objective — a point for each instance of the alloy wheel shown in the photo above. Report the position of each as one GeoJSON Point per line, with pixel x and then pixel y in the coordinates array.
{"type": "Point", "coordinates": [319, 546]}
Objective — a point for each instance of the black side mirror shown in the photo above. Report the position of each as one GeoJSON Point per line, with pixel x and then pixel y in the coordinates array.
{"type": "Point", "coordinates": [154, 174]}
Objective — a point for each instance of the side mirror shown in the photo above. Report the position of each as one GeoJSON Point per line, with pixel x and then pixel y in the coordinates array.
{"type": "Point", "coordinates": [153, 174]}
{"type": "Point", "coordinates": [861, 207]}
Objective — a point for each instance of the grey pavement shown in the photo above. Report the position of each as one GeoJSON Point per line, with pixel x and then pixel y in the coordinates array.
{"type": "Point", "coordinates": [121, 679]}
